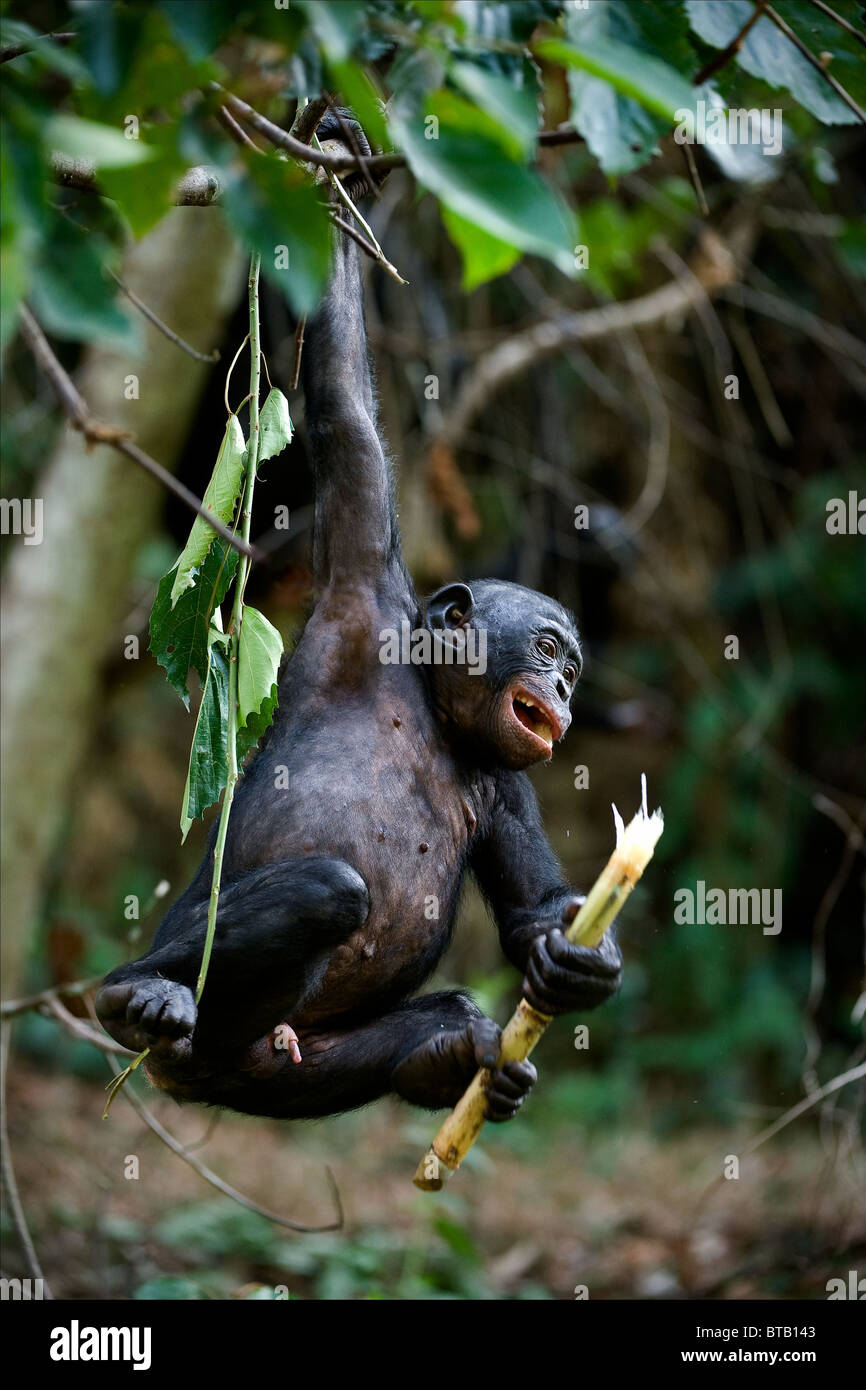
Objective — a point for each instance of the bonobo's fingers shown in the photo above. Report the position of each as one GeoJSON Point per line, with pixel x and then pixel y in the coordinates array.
{"type": "Point", "coordinates": [561, 976]}
{"type": "Point", "coordinates": [507, 1089]}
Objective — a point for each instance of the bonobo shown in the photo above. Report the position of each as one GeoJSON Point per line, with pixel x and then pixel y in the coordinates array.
{"type": "Point", "coordinates": [341, 879]}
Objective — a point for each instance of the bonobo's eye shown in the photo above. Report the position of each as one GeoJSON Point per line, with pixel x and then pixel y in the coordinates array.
{"type": "Point", "coordinates": [547, 648]}
{"type": "Point", "coordinates": [570, 674]}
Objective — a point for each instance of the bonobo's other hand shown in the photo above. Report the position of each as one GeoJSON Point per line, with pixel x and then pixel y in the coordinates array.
{"type": "Point", "coordinates": [438, 1071]}
{"type": "Point", "coordinates": [561, 977]}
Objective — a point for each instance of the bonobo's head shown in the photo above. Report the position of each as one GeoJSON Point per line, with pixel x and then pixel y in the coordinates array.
{"type": "Point", "coordinates": [519, 707]}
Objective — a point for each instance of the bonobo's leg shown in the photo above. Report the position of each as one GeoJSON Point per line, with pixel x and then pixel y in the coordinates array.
{"type": "Point", "coordinates": [275, 928]}
{"type": "Point", "coordinates": [425, 1051]}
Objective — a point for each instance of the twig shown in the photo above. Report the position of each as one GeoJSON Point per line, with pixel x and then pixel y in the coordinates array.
{"type": "Point", "coordinates": [306, 122]}
{"type": "Point", "coordinates": [844, 1079]}
{"type": "Point", "coordinates": [163, 327]}
{"type": "Point", "coordinates": [351, 140]}
{"type": "Point", "coordinates": [96, 433]}
{"type": "Point", "coordinates": [786, 29]}
{"type": "Point", "coordinates": [733, 47]}
{"type": "Point", "coordinates": [373, 246]}
{"type": "Point", "coordinates": [838, 19]}
{"type": "Point", "coordinates": [19, 1220]}
{"type": "Point", "coordinates": [10, 1007]}
{"type": "Point", "coordinates": [695, 178]}
{"type": "Point", "coordinates": [219, 1183]}
{"type": "Point", "coordinates": [15, 50]}
{"type": "Point", "coordinates": [773, 306]}
{"type": "Point", "coordinates": [333, 163]}
{"type": "Point", "coordinates": [716, 269]}
{"type": "Point", "coordinates": [237, 132]}
{"type": "Point", "coordinates": [299, 348]}
{"type": "Point", "coordinates": [374, 252]}
{"type": "Point", "coordinates": [82, 1030]}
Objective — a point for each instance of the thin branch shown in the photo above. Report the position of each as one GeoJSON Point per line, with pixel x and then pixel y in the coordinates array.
{"type": "Point", "coordinates": [299, 348]}
{"type": "Point", "coordinates": [96, 433]}
{"type": "Point", "coordinates": [334, 163]}
{"type": "Point", "coordinates": [10, 1007]}
{"type": "Point", "coordinates": [808, 1103]}
{"type": "Point", "coordinates": [773, 306]}
{"type": "Point", "coordinates": [351, 140]}
{"type": "Point", "coordinates": [837, 19]}
{"type": "Point", "coordinates": [717, 268]}
{"type": "Point", "coordinates": [372, 246]}
{"type": "Point", "coordinates": [306, 122]}
{"type": "Point", "coordinates": [82, 1030]}
{"type": "Point", "coordinates": [732, 49]}
{"type": "Point", "coordinates": [19, 1220]}
{"type": "Point", "coordinates": [236, 131]}
{"type": "Point", "coordinates": [219, 1183]}
{"type": "Point", "coordinates": [695, 178]}
{"type": "Point", "coordinates": [15, 50]}
{"type": "Point", "coordinates": [163, 327]}
{"type": "Point", "coordinates": [372, 251]}
{"type": "Point", "coordinates": [807, 53]}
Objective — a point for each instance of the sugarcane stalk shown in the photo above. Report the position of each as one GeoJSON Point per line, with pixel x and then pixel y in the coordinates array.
{"type": "Point", "coordinates": [635, 844]}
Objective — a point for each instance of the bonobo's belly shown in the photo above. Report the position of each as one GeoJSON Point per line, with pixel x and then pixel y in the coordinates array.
{"type": "Point", "coordinates": [378, 787]}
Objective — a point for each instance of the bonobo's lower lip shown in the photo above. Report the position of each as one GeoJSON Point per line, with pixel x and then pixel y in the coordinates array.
{"type": "Point", "coordinates": [535, 718]}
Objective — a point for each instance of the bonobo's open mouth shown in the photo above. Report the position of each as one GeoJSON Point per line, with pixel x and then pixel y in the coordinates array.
{"type": "Point", "coordinates": [535, 717]}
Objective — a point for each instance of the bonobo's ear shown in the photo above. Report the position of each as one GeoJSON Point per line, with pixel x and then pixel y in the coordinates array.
{"type": "Point", "coordinates": [450, 607]}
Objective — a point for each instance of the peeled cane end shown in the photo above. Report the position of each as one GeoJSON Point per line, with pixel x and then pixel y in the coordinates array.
{"type": "Point", "coordinates": [432, 1172]}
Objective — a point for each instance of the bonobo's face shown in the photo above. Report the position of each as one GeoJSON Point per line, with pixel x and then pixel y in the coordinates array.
{"type": "Point", "coordinates": [519, 707]}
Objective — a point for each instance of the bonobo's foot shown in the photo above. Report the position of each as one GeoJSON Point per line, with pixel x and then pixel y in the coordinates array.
{"type": "Point", "coordinates": [151, 1012]}
{"type": "Point", "coordinates": [437, 1072]}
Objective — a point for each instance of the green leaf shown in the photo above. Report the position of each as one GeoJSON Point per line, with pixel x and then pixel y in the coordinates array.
{"type": "Point", "coordinates": [71, 295]}
{"type": "Point", "coordinates": [220, 498]}
{"type": "Point", "coordinates": [259, 655]}
{"type": "Point", "coordinates": [276, 211]}
{"type": "Point", "coordinates": [484, 256]}
{"type": "Point", "coordinates": [471, 174]}
{"type": "Point", "coordinates": [336, 25]}
{"type": "Point", "coordinates": [275, 427]}
{"type": "Point", "coordinates": [654, 84]}
{"type": "Point", "coordinates": [144, 193]}
{"type": "Point", "coordinates": [514, 111]}
{"type": "Point", "coordinates": [206, 776]}
{"type": "Point", "coordinates": [619, 130]}
{"type": "Point", "coordinates": [104, 146]}
{"type": "Point", "coordinates": [769, 54]}
{"type": "Point", "coordinates": [179, 634]}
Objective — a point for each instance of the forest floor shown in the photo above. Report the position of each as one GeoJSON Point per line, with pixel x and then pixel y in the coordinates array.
{"type": "Point", "coordinates": [536, 1213]}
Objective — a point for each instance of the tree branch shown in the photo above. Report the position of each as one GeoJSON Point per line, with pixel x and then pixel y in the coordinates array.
{"type": "Point", "coordinates": [15, 50]}
{"type": "Point", "coordinates": [215, 1181]}
{"type": "Point", "coordinates": [732, 49]}
{"type": "Point", "coordinates": [163, 327]}
{"type": "Point", "coordinates": [837, 19]}
{"type": "Point", "coordinates": [716, 267]}
{"type": "Point", "coordinates": [786, 29]}
{"type": "Point", "coordinates": [198, 187]}
{"type": "Point", "coordinates": [97, 433]}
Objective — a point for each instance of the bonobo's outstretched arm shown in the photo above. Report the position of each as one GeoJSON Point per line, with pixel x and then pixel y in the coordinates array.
{"type": "Point", "coordinates": [356, 535]}
{"type": "Point", "coordinates": [522, 880]}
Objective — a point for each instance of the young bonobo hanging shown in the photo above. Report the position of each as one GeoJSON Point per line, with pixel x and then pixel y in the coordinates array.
{"type": "Point", "coordinates": [379, 785]}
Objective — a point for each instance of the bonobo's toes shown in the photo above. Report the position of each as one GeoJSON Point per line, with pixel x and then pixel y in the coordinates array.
{"type": "Point", "coordinates": [507, 1089]}
{"type": "Point", "coordinates": [154, 1013]}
